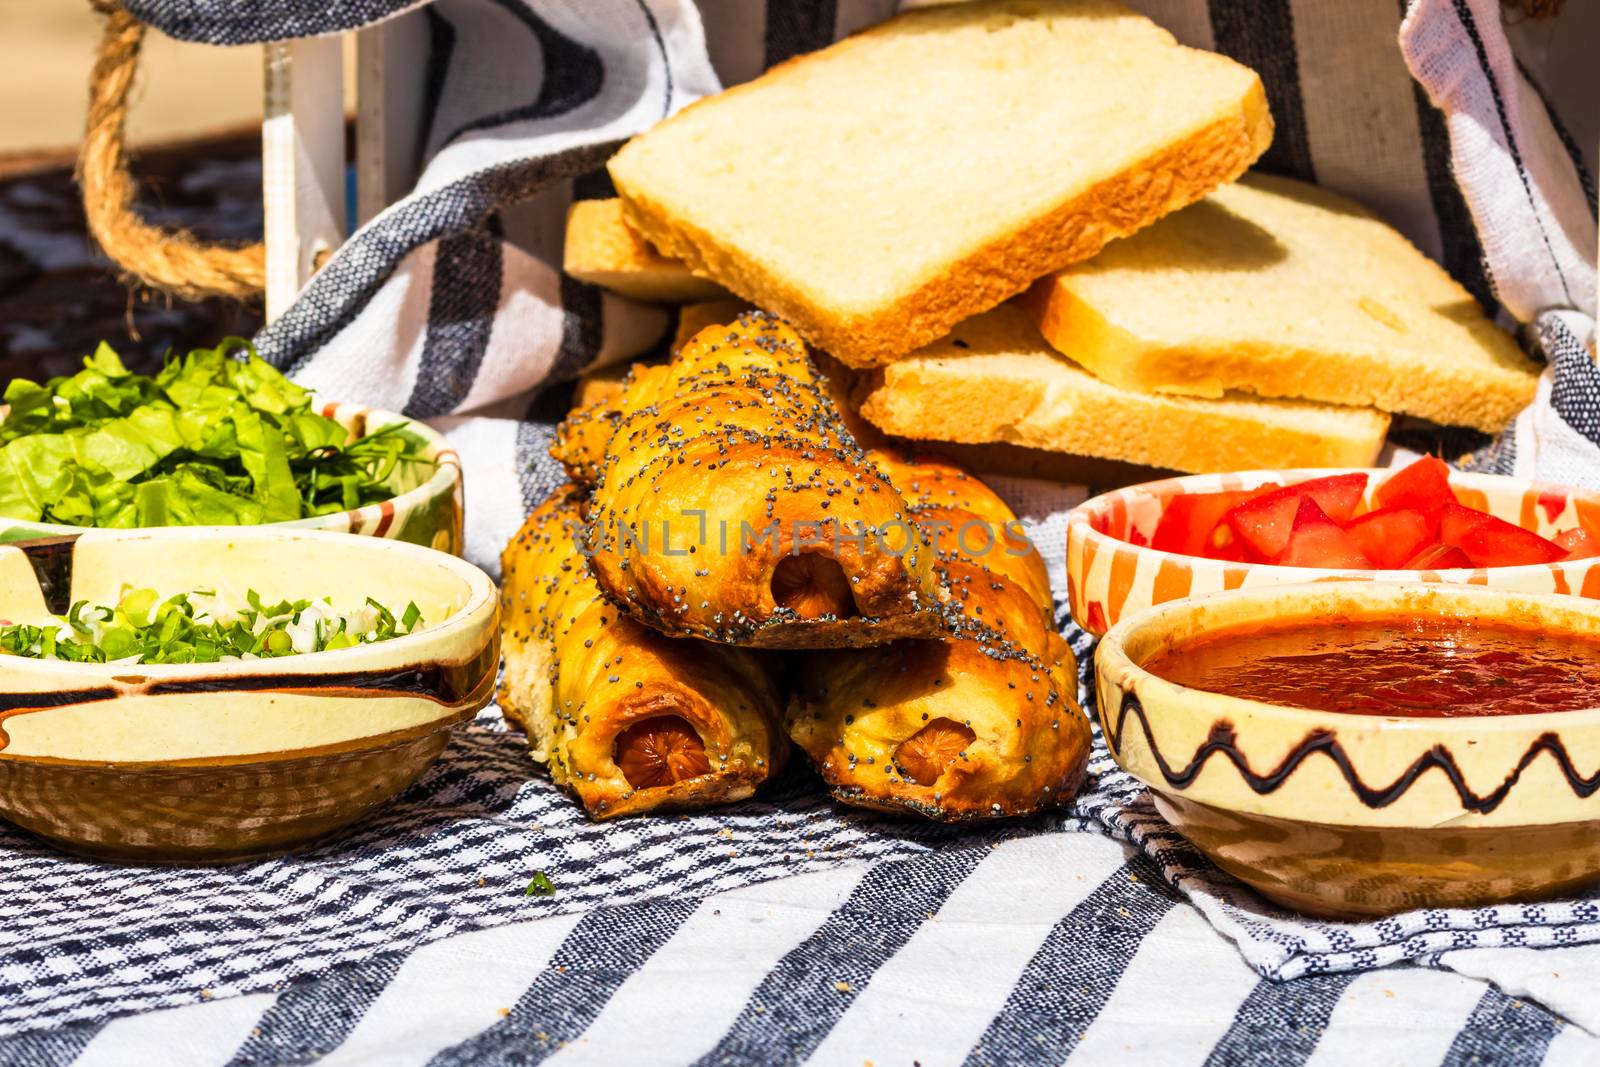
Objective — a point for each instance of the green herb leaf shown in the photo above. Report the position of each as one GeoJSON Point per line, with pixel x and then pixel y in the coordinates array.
{"type": "Point", "coordinates": [218, 437]}
{"type": "Point", "coordinates": [541, 886]}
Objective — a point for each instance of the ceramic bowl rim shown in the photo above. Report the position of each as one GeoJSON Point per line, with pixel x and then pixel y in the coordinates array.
{"type": "Point", "coordinates": [482, 597]}
{"type": "Point", "coordinates": [1113, 646]}
{"type": "Point", "coordinates": [1079, 519]}
{"type": "Point", "coordinates": [446, 476]}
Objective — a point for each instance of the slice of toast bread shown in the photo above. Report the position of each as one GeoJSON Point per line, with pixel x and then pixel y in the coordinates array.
{"type": "Point", "coordinates": [994, 379]}
{"type": "Point", "coordinates": [878, 192]}
{"type": "Point", "coordinates": [601, 248]}
{"type": "Point", "coordinates": [1283, 289]}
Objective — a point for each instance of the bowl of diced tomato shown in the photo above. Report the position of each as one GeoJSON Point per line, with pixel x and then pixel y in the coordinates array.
{"type": "Point", "coordinates": [1160, 541]}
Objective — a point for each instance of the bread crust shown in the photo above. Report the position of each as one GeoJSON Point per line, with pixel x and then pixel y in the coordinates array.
{"type": "Point", "coordinates": [995, 380]}
{"type": "Point", "coordinates": [1427, 351]}
{"type": "Point", "coordinates": [602, 249]}
{"type": "Point", "coordinates": [1072, 229]}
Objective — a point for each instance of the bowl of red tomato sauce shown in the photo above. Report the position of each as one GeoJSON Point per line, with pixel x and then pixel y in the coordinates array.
{"type": "Point", "coordinates": [1178, 537]}
{"type": "Point", "coordinates": [1363, 748]}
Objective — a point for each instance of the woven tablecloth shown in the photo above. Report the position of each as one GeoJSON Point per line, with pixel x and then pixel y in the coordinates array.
{"type": "Point", "coordinates": [786, 928]}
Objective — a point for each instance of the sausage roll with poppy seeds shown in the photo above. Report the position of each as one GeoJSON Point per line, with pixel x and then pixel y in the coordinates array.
{"type": "Point", "coordinates": [982, 723]}
{"type": "Point", "coordinates": [732, 504]}
{"type": "Point", "coordinates": [628, 720]}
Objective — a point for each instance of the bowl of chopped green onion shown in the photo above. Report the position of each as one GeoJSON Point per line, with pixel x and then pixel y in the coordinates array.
{"type": "Point", "coordinates": [217, 438]}
{"type": "Point", "coordinates": [186, 695]}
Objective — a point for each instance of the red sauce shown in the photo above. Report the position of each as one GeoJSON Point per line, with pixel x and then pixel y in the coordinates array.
{"type": "Point", "coordinates": [1392, 666]}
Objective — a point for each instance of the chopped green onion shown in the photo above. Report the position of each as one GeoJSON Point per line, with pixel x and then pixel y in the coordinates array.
{"type": "Point", "coordinates": [146, 629]}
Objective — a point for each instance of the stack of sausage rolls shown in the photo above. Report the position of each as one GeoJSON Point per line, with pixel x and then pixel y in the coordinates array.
{"type": "Point", "coordinates": [720, 509]}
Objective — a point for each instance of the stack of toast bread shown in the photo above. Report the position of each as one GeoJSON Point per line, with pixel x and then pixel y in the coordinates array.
{"type": "Point", "coordinates": [1028, 228]}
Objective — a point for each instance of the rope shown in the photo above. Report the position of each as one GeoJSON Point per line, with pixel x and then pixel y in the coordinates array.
{"type": "Point", "coordinates": [173, 261]}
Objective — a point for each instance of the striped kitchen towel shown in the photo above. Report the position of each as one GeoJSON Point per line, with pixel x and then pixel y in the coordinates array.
{"type": "Point", "coordinates": [1057, 948]}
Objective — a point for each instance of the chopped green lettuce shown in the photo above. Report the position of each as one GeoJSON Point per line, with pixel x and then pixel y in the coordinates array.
{"type": "Point", "coordinates": [217, 437]}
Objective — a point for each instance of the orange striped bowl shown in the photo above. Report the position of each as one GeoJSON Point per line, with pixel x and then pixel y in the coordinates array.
{"type": "Point", "coordinates": [426, 509]}
{"type": "Point", "coordinates": [1111, 574]}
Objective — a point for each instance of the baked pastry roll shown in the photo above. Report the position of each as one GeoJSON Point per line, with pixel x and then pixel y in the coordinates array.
{"type": "Point", "coordinates": [982, 723]}
{"type": "Point", "coordinates": [581, 438]}
{"type": "Point", "coordinates": [628, 720]}
{"type": "Point", "coordinates": [731, 503]}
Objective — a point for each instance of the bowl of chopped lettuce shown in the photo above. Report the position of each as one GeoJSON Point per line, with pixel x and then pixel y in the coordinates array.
{"type": "Point", "coordinates": [219, 437]}
{"type": "Point", "coordinates": [192, 695]}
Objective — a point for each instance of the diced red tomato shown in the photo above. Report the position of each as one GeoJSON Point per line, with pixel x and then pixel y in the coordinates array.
{"type": "Point", "coordinates": [1423, 486]}
{"type": "Point", "coordinates": [1338, 495]}
{"type": "Point", "coordinates": [1438, 557]}
{"type": "Point", "coordinates": [1189, 519]}
{"type": "Point", "coordinates": [1264, 523]}
{"type": "Point", "coordinates": [1416, 522]}
{"type": "Point", "coordinates": [1455, 520]}
{"type": "Point", "coordinates": [1318, 541]}
{"type": "Point", "coordinates": [1496, 543]}
{"type": "Point", "coordinates": [1391, 536]}
{"type": "Point", "coordinates": [1579, 543]}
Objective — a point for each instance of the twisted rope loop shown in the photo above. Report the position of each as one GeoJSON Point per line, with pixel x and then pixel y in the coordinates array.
{"type": "Point", "coordinates": [173, 261]}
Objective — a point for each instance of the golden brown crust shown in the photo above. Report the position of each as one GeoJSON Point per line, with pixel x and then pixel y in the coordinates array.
{"type": "Point", "coordinates": [602, 249]}
{"type": "Point", "coordinates": [980, 724]}
{"type": "Point", "coordinates": [994, 379]}
{"type": "Point", "coordinates": [1336, 307]}
{"type": "Point", "coordinates": [585, 682]}
{"type": "Point", "coordinates": [1068, 232]}
{"type": "Point", "coordinates": [724, 463]}
{"type": "Point", "coordinates": [692, 318]}
{"type": "Point", "coordinates": [599, 385]}
{"type": "Point", "coordinates": [581, 438]}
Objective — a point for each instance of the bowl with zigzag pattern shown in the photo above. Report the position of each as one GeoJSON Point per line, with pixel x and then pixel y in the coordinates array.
{"type": "Point", "coordinates": [1333, 812]}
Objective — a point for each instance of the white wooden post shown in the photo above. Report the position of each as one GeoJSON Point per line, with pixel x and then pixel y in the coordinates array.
{"type": "Point", "coordinates": [390, 59]}
{"type": "Point", "coordinates": [302, 163]}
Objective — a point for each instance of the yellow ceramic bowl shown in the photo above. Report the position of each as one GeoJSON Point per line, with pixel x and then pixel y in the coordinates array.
{"type": "Point", "coordinates": [1111, 575]}
{"type": "Point", "coordinates": [1345, 815]}
{"type": "Point", "coordinates": [222, 761]}
{"type": "Point", "coordinates": [425, 510]}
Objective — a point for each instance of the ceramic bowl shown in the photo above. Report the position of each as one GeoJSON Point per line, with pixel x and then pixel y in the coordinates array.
{"type": "Point", "coordinates": [1109, 577]}
{"type": "Point", "coordinates": [1351, 815]}
{"type": "Point", "coordinates": [426, 508]}
{"type": "Point", "coordinates": [214, 762]}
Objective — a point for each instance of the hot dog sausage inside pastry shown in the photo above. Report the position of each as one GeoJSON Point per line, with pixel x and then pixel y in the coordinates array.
{"type": "Point", "coordinates": [627, 719]}
{"type": "Point", "coordinates": [972, 715]}
{"type": "Point", "coordinates": [732, 504]}
{"type": "Point", "coordinates": [981, 723]}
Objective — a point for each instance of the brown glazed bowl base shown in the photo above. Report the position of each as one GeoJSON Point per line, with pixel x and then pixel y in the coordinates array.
{"type": "Point", "coordinates": [1352, 872]}
{"type": "Point", "coordinates": [209, 814]}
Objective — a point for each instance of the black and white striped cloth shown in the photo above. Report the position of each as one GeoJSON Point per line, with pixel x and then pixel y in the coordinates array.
{"type": "Point", "coordinates": [1054, 948]}
{"type": "Point", "coordinates": [786, 929]}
